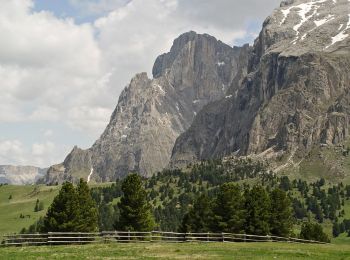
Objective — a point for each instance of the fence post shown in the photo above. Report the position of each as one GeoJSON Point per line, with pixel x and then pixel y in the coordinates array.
{"type": "Point", "coordinates": [208, 237]}
{"type": "Point", "coordinates": [244, 238]}
{"type": "Point", "coordinates": [129, 235]}
{"type": "Point", "coordinates": [223, 236]}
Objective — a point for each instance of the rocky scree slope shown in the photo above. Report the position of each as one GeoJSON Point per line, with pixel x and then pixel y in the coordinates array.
{"type": "Point", "coordinates": [296, 95]}
{"type": "Point", "coordinates": [152, 113]}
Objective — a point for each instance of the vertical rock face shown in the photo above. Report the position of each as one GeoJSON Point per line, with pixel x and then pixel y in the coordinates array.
{"type": "Point", "coordinates": [296, 92]}
{"type": "Point", "coordinates": [152, 113]}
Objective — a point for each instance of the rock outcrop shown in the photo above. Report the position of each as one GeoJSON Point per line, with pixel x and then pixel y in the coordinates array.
{"type": "Point", "coordinates": [295, 96]}
{"type": "Point", "coordinates": [152, 113]}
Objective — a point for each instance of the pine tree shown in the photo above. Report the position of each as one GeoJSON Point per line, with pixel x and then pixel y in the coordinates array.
{"type": "Point", "coordinates": [87, 220]}
{"type": "Point", "coordinates": [257, 205]}
{"type": "Point", "coordinates": [198, 218]}
{"type": "Point", "coordinates": [135, 212]}
{"type": "Point", "coordinates": [228, 209]}
{"type": "Point", "coordinates": [281, 221]}
{"type": "Point", "coordinates": [336, 229]}
{"type": "Point", "coordinates": [36, 208]}
{"type": "Point", "coordinates": [313, 231]}
{"type": "Point", "coordinates": [63, 212]}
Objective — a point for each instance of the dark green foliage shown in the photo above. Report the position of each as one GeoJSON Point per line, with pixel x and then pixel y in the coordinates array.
{"type": "Point", "coordinates": [72, 210]}
{"type": "Point", "coordinates": [313, 231]}
{"type": "Point", "coordinates": [198, 218]}
{"type": "Point", "coordinates": [228, 209]}
{"type": "Point", "coordinates": [63, 212]}
{"type": "Point", "coordinates": [39, 206]}
{"type": "Point", "coordinates": [10, 197]}
{"type": "Point", "coordinates": [108, 215]}
{"type": "Point", "coordinates": [336, 229]}
{"type": "Point", "coordinates": [281, 221]}
{"type": "Point", "coordinates": [299, 209]}
{"type": "Point", "coordinates": [87, 220]}
{"type": "Point", "coordinates": [257, 206]}
{"type": "Point", "coordinates": [135, 211]}
{"type": "Point", "coordinates": [173, 193]}
{"type": "Point", "coordinates": [285, 183]}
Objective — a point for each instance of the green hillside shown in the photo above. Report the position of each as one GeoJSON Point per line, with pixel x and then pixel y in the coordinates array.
{"type": "Point", "coordinates": [172, 193]}
{"type": "Point", "coordinates": [18, 212]}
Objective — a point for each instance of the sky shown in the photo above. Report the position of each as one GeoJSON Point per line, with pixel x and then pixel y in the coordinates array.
{"type": "Point", "coordinates": [63, 63]}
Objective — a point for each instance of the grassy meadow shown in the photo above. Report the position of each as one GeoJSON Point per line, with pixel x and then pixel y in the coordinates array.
{"type": "Point", "coordinates": [181, 251]}
{"type": "Point", "coordinates": [22, 203]}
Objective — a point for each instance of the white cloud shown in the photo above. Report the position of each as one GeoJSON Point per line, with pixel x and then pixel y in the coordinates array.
{"type": "Point", "coordinates": [39, 154]}
{"type": "Point", "coordinates": [53, 70]}
{"type": "Point", "coordinates": [47, 66]}
{"type": "Point", "coordinates": [48, 133]}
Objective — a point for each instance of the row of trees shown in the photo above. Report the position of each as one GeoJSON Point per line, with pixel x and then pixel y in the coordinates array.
{"type": "Point", "coordinates": [199, 201]}
{"type": "Point", "coordinates": [253, 211]}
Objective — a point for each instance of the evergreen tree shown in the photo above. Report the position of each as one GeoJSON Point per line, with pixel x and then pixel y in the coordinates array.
{"type": "Point", "coordinates": [87, 219]}
{"type": "Point", "coordinates": [36, 208]}
{"type": "Point", "coordinates": [319, 213]}
{"type": "Point", "coordinates": [313, 231]}
{"type": "Point", "coordinates": [228, 209]}
{"type": "Point", "coordinates": [285, 183]}
{"type": "Point", "coordinates": [336, 229]}
{"type": "Point", "coordinates": [135, 212]}
{"type": "Point", "coordinates": [257, 204]}
{"type": "Point", "coordinates": [198, 218]}
{"type": "Point", "coordinates": [63, 213]}
{"type": "Point", "coordinates": [281, 221]}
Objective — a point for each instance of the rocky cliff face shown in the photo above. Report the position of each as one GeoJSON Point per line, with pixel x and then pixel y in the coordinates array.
{"type": "Point", "coordinates": [152, 113]}
{"type": "Point", "coordinates": [295, 95]}
{"type": "Point", "coordinates": [20, 175]}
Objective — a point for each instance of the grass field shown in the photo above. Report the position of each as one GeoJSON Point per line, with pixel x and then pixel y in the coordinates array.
{"type": "Point", "coordinates": [22, 202]}
{"type": "Point", "coordinates": [181, 251]}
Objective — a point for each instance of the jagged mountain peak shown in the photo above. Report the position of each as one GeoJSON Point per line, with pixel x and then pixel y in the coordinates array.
{"type": "Point", "coordinates": [301, 26]}
{"type": "Point", "coordinates": [152, 113]}
{"type": "Point", "coordinates": [298, 74]}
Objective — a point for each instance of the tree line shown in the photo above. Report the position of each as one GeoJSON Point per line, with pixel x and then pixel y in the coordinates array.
{"type": "Point", "coordinates": [235, 209]}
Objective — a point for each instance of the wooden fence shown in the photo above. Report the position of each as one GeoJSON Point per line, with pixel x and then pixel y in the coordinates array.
{"type": "Point", "coordinates": [64, 238]}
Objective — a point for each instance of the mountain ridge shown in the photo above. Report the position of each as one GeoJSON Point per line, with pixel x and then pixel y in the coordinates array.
{"type": "Point", "coordinates": [278, 99]}
{"type": "Point", "coordinates": [152, 113]}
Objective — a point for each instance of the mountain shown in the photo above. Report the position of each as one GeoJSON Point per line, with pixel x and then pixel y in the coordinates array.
{"type": "Point", "coordinates": [295, 98]}
{"type": "Point", "coordinates": [20, 175]}
{"type": "Point", "coordinates": [152, 113]}
{"type": "Point", "coordinates": [286, 99]}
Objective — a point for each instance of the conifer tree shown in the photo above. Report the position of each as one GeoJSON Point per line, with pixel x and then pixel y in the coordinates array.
{"type": "Point", "coordinates": [257, 204]}
{"type": "Point", "coordinates": [313, 231]}
{"type": "Point", "coordinates": [228, 209]}
{"type": "Point", "coordinates": [87, 218]}
{"type": "Point", "coordinates": [281, 221]}
{"type": "Point", "coordinates": [198, 218]}
{"type": "Point", "coordinates": [336, 229]}
{"type": "Point", "coordinates": [36, 208]}
{"type": "Point", "coordinates": [63, 212]}
{"type": "Point", "coordinates": [135, 212]}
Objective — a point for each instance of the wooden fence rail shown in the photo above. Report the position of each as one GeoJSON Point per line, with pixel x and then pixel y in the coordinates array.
{"type": "Point", "coordinates": [64, 238]}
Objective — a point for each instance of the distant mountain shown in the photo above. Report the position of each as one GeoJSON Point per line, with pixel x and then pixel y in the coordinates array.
{"type": "Point", "coordinates": [20, 175]}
